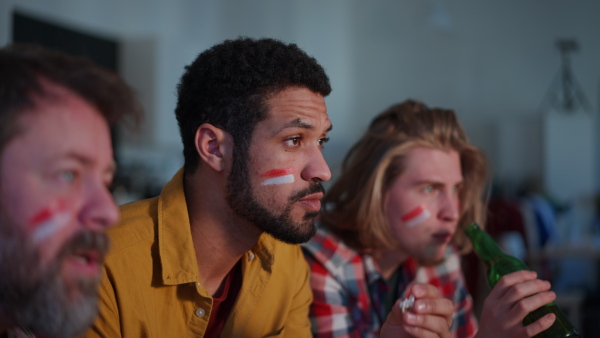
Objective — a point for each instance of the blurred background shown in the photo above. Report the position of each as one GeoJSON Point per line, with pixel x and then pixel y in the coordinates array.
{"type": "Point", "coordinates": [523, 77]}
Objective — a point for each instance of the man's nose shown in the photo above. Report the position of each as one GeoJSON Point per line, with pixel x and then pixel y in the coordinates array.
{"type": "Point", "coordinates": [449, 206]}
{"type": "Point", "coordinates": [100, 210]}
{"type": "Point", "coordinates": [316, 168]}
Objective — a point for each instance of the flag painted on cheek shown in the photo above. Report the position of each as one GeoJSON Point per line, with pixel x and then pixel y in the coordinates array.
{"type": "Point", "coordinates": [278, 176]}
{"type": "Point", "coordinates": [416, 216]}
{"type": "Point", "coordinates": [49, 221]}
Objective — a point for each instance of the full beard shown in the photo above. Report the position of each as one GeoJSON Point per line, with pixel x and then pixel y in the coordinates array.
{"type": "Point", "coordinates": [283, 227]}
{"type": "Point", "coordinates": [39, 299]}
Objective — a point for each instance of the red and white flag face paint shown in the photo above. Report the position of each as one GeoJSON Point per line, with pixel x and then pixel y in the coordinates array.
{"type": "Point", "coordinates": [416, 216]}
{"type": "Point", "coordinates": [278, 176]}
{"type": "Point", "coordinates": [49, 221]}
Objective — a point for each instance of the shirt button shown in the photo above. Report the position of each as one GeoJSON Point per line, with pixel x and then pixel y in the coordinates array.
{"type": "Point", "coordinates": [199, 313]}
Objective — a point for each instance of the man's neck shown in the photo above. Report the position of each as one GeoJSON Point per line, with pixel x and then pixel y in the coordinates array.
{"type": "Point", "coordinates": [220, 237]}
{"type": "Point", "coordinates": [389, 261]}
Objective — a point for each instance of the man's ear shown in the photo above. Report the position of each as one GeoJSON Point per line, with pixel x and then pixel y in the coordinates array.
{"type": "Point", "coordinates": [213, 145]}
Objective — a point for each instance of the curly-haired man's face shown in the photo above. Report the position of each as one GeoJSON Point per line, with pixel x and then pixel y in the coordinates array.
{"type": "Point", "coordinates": [277, 186]}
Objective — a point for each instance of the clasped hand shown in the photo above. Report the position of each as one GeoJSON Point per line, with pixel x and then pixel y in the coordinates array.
{"type": "Point", "coordinates": [430, 316]}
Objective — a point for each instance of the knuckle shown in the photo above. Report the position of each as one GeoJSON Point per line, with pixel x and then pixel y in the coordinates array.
{"type": "Point", "coordinates": [522, 306]}
{"type": "Point", "coordinates": [503, 281]}
{"type": "Point", "coordinates": [430, 290]}
{"type": "Point", "coordinates": [421, 320]}
{"type": "Point", "coordinates": [520, 289]}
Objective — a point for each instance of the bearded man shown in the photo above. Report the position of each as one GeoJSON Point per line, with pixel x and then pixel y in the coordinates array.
{"type": "Point", "coordinates": [56, 163]}
{"type": "Point", "coordinates": [213, 254]}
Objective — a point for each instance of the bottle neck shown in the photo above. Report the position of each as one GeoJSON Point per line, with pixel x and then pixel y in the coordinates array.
{"type": "Point", "coordinates": [483, 244]}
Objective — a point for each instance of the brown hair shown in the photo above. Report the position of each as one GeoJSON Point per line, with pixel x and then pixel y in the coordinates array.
{"type": "Point", "coordinates": [26, 68]}
{"type": "Point", "coordinates": [353, 207]}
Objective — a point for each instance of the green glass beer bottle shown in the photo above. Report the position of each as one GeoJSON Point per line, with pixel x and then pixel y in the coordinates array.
{"type": "Point", "coordinates": [498, 264]}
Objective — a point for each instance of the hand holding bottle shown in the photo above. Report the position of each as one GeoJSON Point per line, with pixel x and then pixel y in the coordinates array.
{"type": "Point", "coordinates": [539, 314]}
{"type": "Point", "coordinates": [430, 315]}
{"type": "Point", "coordinates": [513, 297]}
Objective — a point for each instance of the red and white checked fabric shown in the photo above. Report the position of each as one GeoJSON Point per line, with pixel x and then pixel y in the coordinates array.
{"type": "Point", "coordinates": [348, 289]}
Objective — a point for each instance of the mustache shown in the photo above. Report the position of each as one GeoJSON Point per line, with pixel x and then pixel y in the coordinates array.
{"type": "Point", "coordinates": [87, 241]}
{"type": "Point", "coordinates": [311, 189]}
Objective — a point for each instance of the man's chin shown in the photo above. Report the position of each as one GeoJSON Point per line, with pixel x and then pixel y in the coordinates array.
{"type": "Point", "coordinates": [58, 308]}
{"type": "Point", "coordinates": [295, 236]}
{"type": "Point", "coordinates": [432, 256]}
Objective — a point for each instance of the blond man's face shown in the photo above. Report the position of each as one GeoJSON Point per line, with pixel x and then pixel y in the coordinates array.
{"type": "Point", "coordinates": [422, 205]}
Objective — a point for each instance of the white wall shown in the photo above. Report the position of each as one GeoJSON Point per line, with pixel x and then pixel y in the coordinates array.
{"type": "Point", "coordinates": [490, 61]}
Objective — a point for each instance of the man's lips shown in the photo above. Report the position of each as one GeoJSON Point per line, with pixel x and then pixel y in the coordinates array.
{"type": "Point", "coordinates": [442, 237]}
{"type": "Point", "coordinates": [86, 262]}
{"type": "Point", "coordinates": [312, 202]}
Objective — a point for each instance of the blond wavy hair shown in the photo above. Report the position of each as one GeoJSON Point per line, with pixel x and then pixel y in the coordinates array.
{"type": "Point", "coordinates": [353, 206]}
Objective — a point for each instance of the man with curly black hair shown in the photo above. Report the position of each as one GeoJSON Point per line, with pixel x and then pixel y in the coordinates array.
{"type": "Point", "coordinates": [214, 254]}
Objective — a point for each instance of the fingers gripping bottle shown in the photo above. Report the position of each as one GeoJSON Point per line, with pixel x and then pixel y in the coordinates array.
{"type": "Point", "coordinates": [498, 264]}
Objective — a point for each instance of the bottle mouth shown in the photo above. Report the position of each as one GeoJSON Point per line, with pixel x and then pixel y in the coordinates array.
{"type": "Point", "coordinates": [472, 227]}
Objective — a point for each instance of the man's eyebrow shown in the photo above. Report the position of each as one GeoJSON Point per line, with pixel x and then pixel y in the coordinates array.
{"type": "Point", "coordinates": [435, 182]}
{"type": "Point", "coordinates": [426, 182]}
{"type": "Point", "coordinates": [86, 161]}
{"type": "Point", "coordinates": [298, 123]}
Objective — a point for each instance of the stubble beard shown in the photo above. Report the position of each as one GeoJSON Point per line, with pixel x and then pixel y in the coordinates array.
{"type": "Point", "coordinates": [242, 200]}
{"type": "Point", "coordinates": [38, 298]}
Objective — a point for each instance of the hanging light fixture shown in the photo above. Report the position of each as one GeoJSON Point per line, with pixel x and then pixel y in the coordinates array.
{"type": "Point", "coordinates": [565, 94]}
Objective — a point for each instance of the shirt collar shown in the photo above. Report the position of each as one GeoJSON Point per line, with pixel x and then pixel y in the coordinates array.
{"type": "Point", "coordinates": [175, 245]}
{"type": "Point", "coordinates": [263, 250]}
{"type": "Point", "coordinates": [330, 249]}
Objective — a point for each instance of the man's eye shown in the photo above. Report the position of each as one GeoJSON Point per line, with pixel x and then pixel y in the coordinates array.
{"type": "Point", "coordinates": [428, 189]}
{"type": "Point", "coordinates": [293, 142]}
{"type": "Point", "coordinates": [322, 141]}
{"type": "Point", "coordinates": [68, 176]}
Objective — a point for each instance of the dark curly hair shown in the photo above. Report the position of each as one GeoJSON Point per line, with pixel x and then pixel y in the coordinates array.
{"type": "Point", "coordinates": [23, 67]}
{"type": "Point", "coordinates": [227, 86]}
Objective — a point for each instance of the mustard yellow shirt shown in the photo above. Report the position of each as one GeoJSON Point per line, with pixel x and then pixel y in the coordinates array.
{"type": "Point", "coordinates": [150, 285]}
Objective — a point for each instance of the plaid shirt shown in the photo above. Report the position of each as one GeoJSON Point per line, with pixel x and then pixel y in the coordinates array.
{"type": "Point", "coordinates": [349, 290]}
